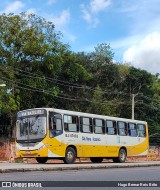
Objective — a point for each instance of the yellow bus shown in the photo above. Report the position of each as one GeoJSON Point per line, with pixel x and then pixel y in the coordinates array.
{"type": "Point", "coordinates": [48, 133]}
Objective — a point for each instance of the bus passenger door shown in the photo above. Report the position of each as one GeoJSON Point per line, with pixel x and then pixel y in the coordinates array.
{"type": "Point", "coordinates": [55, 129]}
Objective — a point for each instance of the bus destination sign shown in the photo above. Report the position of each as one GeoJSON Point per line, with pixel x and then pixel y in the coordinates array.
{"type": "Point", "coordinates": [30, 112]}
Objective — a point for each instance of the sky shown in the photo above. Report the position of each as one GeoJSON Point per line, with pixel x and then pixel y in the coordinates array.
{"type": "Point", "coordinates": [131, 27]}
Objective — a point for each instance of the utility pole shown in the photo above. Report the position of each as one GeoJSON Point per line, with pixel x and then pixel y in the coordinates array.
{"type": "Point", "coordinates": [133, 104]}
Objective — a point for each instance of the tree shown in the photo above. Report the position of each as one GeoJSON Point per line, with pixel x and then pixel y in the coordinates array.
{"type": "Point", "coordinates": [29, 44]}
{"type": "Point", "coordinates": [40, 70]}
{"type": "Point", "coordinates": [33, 62]}
{"type": "Point", "coordinates": [31, 55]}
{"type": "Point", "coordinates": [102, 55]}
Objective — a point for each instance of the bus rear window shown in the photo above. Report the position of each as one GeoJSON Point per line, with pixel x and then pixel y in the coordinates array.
{"type": "Point", "coordinates": [141, 130]}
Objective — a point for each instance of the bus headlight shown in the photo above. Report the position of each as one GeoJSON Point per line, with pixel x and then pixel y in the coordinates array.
{"type": "Point", "coordinates": [17, 149]}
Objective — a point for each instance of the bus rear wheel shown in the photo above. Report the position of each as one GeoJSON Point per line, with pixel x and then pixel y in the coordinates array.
{"type": "Point", "coordinates": [96, 159]}
{"type": "Point", "coordinates": [41, 160]}
{"type": "Point", "coordinates": [121, 156]}
{"type": "Point", "coordinates": [70, 156]}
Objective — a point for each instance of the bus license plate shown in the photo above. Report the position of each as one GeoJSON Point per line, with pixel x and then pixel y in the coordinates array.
{"type": "Point", "coordinates": [28, 152]}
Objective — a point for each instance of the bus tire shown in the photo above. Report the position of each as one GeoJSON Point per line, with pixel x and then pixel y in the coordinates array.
{"type": "Point", "coordinates": [70, 156]}
{"type": "Point", "coordinates": [96, 159]}
{"type": "Point", "coordinates": [121, 156]}
{"type": "Point", "coordinates": [41, 160]}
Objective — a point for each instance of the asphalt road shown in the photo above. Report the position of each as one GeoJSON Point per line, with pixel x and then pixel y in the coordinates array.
{"type": "Point", "coordinates": [143, 176]}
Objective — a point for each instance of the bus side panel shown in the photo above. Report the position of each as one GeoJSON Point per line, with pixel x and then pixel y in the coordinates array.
{"type": "Point", "coordinates": [140, 148]}
{"type": "Point", "coordinates": [56, 147]}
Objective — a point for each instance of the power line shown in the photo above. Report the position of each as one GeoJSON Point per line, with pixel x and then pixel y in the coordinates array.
{"type": "Point", "coordinates": [32, 75]}
{"type": "Point", "coordinates": [67, 84]}
{"type": "Point", "coordinates": [71, 99]}
{"type": "Point", "coordinates": [46, 92]}
{"type": "Point", "coordinates": [15, 83]}
{"type": "Point", "coordinates": [62, 96]}
{"type": "Point", "coordinates": [27, 87]}
{"type": "Point", "coordinates": [35, 76]}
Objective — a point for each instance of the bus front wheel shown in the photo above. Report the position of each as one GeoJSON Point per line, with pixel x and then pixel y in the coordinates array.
{"type": "Point", "coordinates": [121, 156]}
{"type": "Point", "coordinates": [96, 159]}
{"type": "Point", "coordinates": [41, 160]}
{"type": "Point", "coordinates": [70, 156]}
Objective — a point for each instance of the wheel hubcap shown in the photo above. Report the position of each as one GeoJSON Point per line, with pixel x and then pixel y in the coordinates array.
{"type": "Point", "coordinates": [122, 156]}
{"type": "Point", "coordinates": [70, 155]}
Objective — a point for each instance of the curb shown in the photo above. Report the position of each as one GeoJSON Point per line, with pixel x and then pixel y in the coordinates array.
{"type": "Point", "coordinates": [74, 167]}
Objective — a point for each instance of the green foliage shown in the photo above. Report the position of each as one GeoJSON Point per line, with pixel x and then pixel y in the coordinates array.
{"type": "Point", "coordinates": [100, 105]}
{"type": "Point", "coordinates": [104, 54]}
{"type": "Point", "coordinates": [40, 71]}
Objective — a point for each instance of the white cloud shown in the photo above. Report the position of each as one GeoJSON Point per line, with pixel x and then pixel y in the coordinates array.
{"type": "Point", "coordinates": [99, 5]}
{"type": "Point", "coordinates": [60, 22]}
{"type": "Point", "coordinates": [145, 54]}
{"type": "Point", "coordinates": [50, 2]}
{"type": "Point", "coordinates": [68, 37]}
{"type": "Point", "coordinates": [90, 12]}
{"type": "Point", "coordinates": [15, 7]}
{"type": "Point", "coordinates": [62, 19]}
{"type": "Point", "coordinates": [31, 11]}
{"type": "Point", "coordinates": [88, 17]}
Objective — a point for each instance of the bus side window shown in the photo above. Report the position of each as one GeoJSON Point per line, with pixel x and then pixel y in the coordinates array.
{"type": "Point", "coordinates": [122, 128]}
{"type": "Point", "coordinates": [99, 126]}
{"type": "Point", "coordinates": [141, 130]}
{"type": "Point", "coordinates": [132, 129]}
{"type": "Point", "coordinates": [55, 124]}
{"type": "Point", "coordinates": [71, 123]}
{"type": "Point", "coordinates": [86, 125]}
{"type": "Point", "coordinates": [111, 127]}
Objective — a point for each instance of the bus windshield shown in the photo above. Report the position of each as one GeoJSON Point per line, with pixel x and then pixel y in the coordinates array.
{"type": "Point", "coordinates": [31, 128]}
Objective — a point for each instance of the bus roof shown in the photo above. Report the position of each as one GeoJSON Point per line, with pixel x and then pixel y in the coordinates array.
{"type": "Point", "coordinates": [61, 111]}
